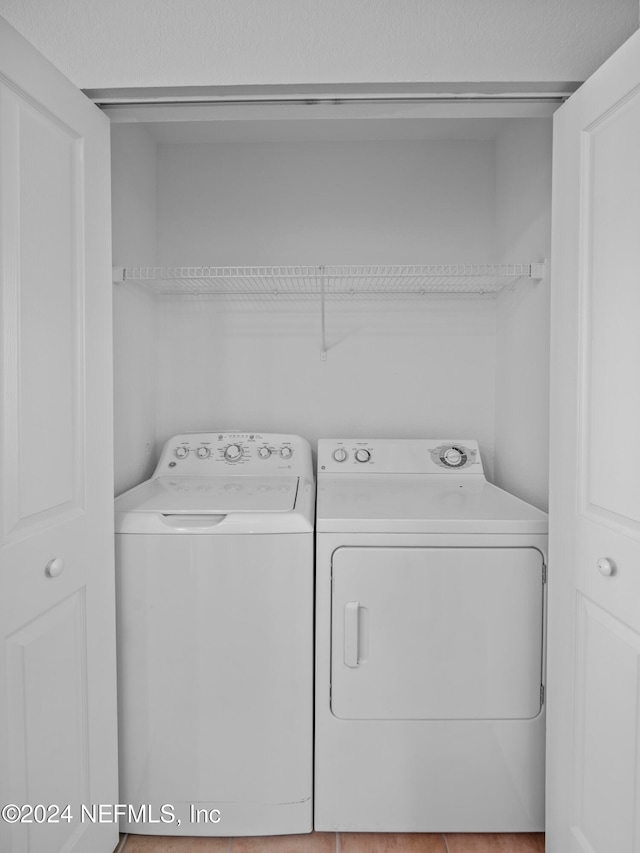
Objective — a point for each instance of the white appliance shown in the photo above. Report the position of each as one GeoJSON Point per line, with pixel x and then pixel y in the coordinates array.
{"type": "Point", "coordinates": [430, 608]}
{"type": "Point", "coordinates": [214, 571]}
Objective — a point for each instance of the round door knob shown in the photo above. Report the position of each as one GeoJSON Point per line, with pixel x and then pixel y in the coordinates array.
{"type": "Point", "coordinates": [54, 567]}
{"type": "Point", "coordinates": [606, 567]}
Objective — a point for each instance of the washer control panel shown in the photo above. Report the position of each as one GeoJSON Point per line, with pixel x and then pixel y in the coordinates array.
{"type": "Point", "coordinates": [398, 456]}
{"type": "Point", "coordinates": [214, 453]}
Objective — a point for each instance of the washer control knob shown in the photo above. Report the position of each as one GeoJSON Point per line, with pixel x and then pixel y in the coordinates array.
{"type": "Point", "coordinates": [453, 457]}
{"type": "Point", "coordinates": [202, 452]}
{"type": "Point", "coordinates": [264, 452]}
{"type": "Point", "coordinates": [340, 455]}
{"type": "Point", "coordinates": [286, 452]}
{"type": "Point", "coordinates": [233, 452]}
{"type": "Point", "coordinates": [363, 455]}
{"type": "Point", "coordinates": [181, 452]}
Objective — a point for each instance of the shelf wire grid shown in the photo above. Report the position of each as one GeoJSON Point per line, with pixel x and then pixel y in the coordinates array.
{"type": "Point", "coordinates": [331, 281]}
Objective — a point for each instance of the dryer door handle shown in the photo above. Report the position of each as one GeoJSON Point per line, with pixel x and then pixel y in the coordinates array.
{"type": "Point", "coordinates": [351, 633]}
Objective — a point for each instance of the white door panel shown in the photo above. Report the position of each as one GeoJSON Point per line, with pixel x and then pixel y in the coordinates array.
{"type": "Point", "coordinates": [609, 317]}
{"type": "Point", "coordinates": [45, 659]}
{"type": "Point", "coordinates": [42, 318]}
{"type": "Point", "coordinates": [57, 666]}
{"type": "Point", "coordinates": [593, 761]}
{"type": "Point", "coordinates": [605, 811]}
{"type": "Point", "coordinates": [436, 633]}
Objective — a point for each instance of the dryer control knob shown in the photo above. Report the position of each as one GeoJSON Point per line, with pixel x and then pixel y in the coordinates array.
{"type": "Point", "coordinates": [453, 457]}
{"type": "Point", "coordinates": [340, 455]}
{"type": "Point", "coordinates": [182, 452]}
{"type": "Point", "coordinates": [264, 452]}
{"type": "Point", "coordinates": [233, 452]}
{"type": "Point", "coordinates": [286, 452]}
{"type": "Point", "coordinates": [202, 452]}
{"type": "Point", "coordinates": [363, 455]}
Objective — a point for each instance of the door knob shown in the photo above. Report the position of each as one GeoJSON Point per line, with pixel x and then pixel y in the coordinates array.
{"type": "Point", "coordinates": [54, 567]}
{"type": "Point", "coordinates": [606, 567]}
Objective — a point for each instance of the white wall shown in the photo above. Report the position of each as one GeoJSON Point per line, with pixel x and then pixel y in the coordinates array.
{"type": "Point", "coordinates": [102, 43]}
{"type": "Point", "coordinates": [523, 195]}
{"type": "Point", "coordinates": [429, 373]}
{"type": "Point", "coordinates": [392, 368]}
{"type": "Point", "coordinates": [326, 202]}
{"type": "Point", "coordinates": [134, 311]}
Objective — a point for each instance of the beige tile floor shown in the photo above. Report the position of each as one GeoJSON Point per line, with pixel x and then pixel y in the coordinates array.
{"type": "Point", "coordinates": [343, 842]}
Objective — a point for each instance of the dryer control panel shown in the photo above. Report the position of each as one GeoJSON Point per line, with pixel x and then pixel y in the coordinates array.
{"type": "Point", "coordinates": [399, 456]}
{"type": "Point", "coordinates": [213, 453]}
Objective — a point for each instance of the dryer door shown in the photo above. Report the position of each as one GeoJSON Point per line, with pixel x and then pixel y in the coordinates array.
{"type": "Point", "coordinates": [436, 633]}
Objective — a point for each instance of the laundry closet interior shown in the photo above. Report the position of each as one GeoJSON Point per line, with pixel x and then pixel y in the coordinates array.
{"type": "Point", "coordinates": [377, 202]}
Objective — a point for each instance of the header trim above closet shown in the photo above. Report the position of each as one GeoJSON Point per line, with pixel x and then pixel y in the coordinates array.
{"type": "Point", "coordinates": [334, 93]}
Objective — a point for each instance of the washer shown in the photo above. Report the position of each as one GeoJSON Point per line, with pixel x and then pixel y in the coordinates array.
{"type": "Point", "coordinates": [430, 611]}
{"type": "Point", "coordinates": [214, 567]}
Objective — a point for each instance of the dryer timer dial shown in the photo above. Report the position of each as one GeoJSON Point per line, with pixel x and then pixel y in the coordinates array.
{"type": "Point", "coordinates": [454, 457]}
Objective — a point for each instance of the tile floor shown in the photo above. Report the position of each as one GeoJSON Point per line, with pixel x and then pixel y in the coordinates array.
{"type": "Point", "coordinates": [342, 842]}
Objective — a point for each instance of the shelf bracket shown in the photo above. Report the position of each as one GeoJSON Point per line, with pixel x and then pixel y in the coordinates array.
{"type": "Point", "coordinates": [538, 271]}
{"type": "Point", "coordinates": [323, 339]}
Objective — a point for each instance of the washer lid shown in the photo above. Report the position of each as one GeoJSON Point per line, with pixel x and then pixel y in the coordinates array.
{"type": "Point", "coordinates": [210, 495]}
{"type": "Point", "coordinates": [421, 504]}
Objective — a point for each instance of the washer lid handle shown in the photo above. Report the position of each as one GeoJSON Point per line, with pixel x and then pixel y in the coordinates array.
{"type": "Point", "coordinates": [192, 522]}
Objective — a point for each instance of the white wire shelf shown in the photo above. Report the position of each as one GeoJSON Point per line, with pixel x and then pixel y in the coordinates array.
{"type": "Point", "coordinates": [326, 282]}
{"type": "Point", "coordinates": [390, 280]}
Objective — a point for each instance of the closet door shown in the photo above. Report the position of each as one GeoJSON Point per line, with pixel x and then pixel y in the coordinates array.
{"type": "Point", "coordinates": [57, 662]}
{"type": "Point", "coordinates": [593, 755]}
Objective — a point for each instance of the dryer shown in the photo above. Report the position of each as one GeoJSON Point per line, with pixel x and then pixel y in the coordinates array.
{"type": "Point", "coordinates": [430, 613]}
{"type": "Point", "coordinates": [214, 571]}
